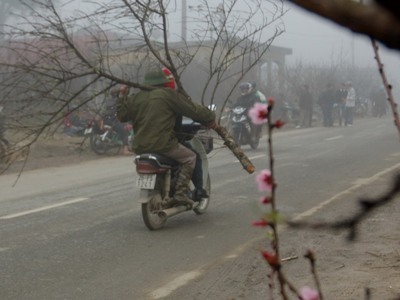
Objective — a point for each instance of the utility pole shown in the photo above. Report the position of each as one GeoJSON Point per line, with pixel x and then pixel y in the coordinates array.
{"type": "Point", "coordinates": [184, 21]}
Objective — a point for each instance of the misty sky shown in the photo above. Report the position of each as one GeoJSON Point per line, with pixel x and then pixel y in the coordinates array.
{"type": "Point", "coordinates": [312, 38]}
{"type": "Point", "coordinates": [316, 39]}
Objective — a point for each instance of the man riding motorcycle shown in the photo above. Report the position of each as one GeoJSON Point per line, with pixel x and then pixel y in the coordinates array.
{"type": "Point", "coordinates": [153, 114]}
{"type": "Point", "coordinates": [197, 176]}
{"type": "Point", "coordinates": [257, 93]}
{"type": "Point", "coordinates": [247, 100]}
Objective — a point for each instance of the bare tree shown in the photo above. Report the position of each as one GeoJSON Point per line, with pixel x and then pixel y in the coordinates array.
{"type": "Point", "coordinates": [10, 7]}
{"type": "Point", "coordinates": [50, 61]}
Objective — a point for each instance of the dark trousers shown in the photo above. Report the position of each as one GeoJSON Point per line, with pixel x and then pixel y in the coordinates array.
{"type": "Point", "coordinates": [197, 176]}
{"type": "Point", "coordinates": [348, 115]}
{"type": "Point", "coordinates": [327, 115]}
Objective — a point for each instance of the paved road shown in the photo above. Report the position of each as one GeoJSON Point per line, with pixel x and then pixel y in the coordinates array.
{"type": "Point", "coordinates": [76, 232]}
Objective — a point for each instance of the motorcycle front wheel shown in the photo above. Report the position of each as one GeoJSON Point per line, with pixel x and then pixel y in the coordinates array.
{"type": "Point", "coordinates": [96, 144]}
{"type": "Point", "coordinates": [112, 143]}
{"type": "Point", "coordinates": [107, 145]}
{"type": "Point", "coordinates": [204, 202]}
{"type": "Point", "coordinates": [236, 134]}
{"type": "Point", "coordinates": [254, 143]}
{"type": "Point", "coordinates": [150, 210]}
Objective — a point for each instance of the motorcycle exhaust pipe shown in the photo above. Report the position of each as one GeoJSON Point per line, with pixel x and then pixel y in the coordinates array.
{"type": "Point", "coordinates": [169, 212]}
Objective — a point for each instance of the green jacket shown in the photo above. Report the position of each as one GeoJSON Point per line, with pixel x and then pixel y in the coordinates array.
{"type": "Point", "coordinates": [153, 115]}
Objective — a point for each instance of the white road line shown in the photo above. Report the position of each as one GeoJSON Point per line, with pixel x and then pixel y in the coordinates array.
{"type": "Point", "coordinates": [355, 186]}
{"type": "Point", "coordinates": [174, 284]}
{"type": "Point", "coordinates": [334, 138]}
{"type": "Point", "coordinates": [189, 276]}
{"type": "Point", "coordinates": [32, 211]}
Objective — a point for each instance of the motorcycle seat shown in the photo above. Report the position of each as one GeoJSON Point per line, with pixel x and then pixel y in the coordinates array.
{"type": "Point", "coordinates": [159, 159]}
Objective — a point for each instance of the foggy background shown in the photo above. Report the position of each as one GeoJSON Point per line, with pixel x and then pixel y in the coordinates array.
{"type": "Point", "coordinates": [313, 39]}
{"type": "Point", "coordinates": [314, 42]}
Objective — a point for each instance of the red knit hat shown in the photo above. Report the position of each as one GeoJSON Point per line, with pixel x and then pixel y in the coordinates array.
{"type": "Point", "coordinates": [171, 84]}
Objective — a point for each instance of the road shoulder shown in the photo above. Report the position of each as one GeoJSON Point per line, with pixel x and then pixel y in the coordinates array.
{"type": "Point", "coordinates": [345, 269]}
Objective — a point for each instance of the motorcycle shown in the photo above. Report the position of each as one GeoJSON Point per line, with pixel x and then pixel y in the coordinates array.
{"type": "Point", "coordinates": [157, 176]}
{"type": "Point", "coordinates": [241, 128]}
{"type": "Point", "coordinates": [104, 140]}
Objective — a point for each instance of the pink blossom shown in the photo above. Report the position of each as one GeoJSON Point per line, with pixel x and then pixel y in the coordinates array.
{"type": "Point", "coordinates": [258, 113]}
{"type": "Point", "coordinates": [264, 180]}
{"type": "Point", "coordinates": [270, 258]}
{"type": "Point", "coordinates": [307, 293]}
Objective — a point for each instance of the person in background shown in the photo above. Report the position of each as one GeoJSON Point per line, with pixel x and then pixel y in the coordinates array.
{"type": "Point", "coordinates": [305, 105]}
{"type": "Point", "coordinates": [76, 120]}
{"type": "Point", "coordinates": [350, 103]}
{"type": "Point", "coordinates": [110, 117]}
{"type": "Point", "coordinates": [341, 95]}
{"type": "Point", "coordinates": [379, 102]}
{"type": "Point", "coordinates": [326, 101]}
{"type": "Point", "coordinates": [260, 96]}
{"type": "Point", "coordinates": [247, 99]}
{"type": "Point", "coordinates": [153, 114]}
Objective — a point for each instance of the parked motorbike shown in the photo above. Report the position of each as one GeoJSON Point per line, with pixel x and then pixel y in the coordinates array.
{"type": "Point", "coordinates": [104, 140]}
{"type": "Point", "coordinates": [241, 128]}
{"type": "Point", "coordinates": [157, 176]}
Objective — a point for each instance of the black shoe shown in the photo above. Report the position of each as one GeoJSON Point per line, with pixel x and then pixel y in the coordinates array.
{"type": "Point", "coordinates": [200, 194]}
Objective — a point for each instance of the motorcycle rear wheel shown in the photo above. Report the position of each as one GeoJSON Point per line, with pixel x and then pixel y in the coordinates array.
{"type": "Point", "coordinates": [150, 211]}
{"type": "Point", "coordinates": [204, 202]}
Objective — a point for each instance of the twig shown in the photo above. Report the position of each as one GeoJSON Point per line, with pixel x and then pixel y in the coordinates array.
{"type": "Point", "coordinates": [289, 258]}
{"type": "Point", "coordinates": [387, 86]}
{"type": "Point", "coordinates": [311, 257]}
